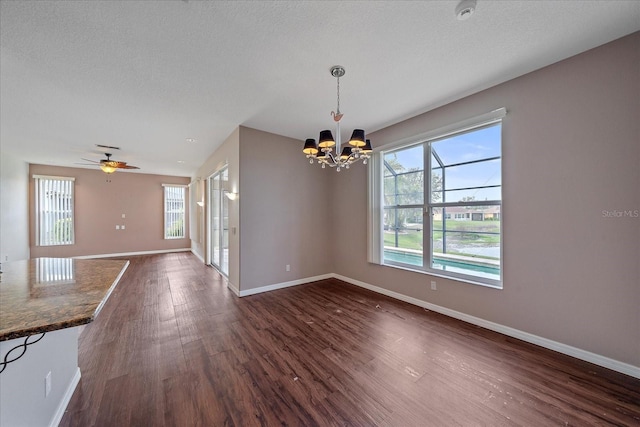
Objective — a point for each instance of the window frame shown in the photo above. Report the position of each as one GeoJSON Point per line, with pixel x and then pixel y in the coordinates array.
{"type": "Point", "coordinates": [165, 211]}
{"type": "Point", "coordinates": [38, 196]}
{"type": "Point", "coordinates": [377, 201]}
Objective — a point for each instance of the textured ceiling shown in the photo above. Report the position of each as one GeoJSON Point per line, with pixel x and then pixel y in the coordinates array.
{"type": "Point", "coordinates": [147, 75]}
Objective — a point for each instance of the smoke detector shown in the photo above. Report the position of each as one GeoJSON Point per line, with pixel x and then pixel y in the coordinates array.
{"type": "Point", "coordinates": [465, 9]}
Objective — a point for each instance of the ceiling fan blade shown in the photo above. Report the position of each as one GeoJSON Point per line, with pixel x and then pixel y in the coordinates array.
{"type": "Point", "coordinates": [108, 162]}
{"type": "Point", "coordinates": [121, 165]}
{"type": "Point", "coordinates": [108, 147]}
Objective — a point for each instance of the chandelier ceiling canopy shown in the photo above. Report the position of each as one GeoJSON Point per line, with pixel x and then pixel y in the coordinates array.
{"type": "Point", "coordinates": [359, 147]}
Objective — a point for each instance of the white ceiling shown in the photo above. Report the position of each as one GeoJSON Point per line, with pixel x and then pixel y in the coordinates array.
{"type": "Point", "coordinates": [147, 75]}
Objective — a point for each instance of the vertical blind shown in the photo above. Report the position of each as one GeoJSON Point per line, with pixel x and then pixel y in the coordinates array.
{"type": "Point", "coordinates": [54, 270]}
{"type": "Point", "coordinates": [174, 211]}
{"type": "Point", "coordinates": [54, 210]}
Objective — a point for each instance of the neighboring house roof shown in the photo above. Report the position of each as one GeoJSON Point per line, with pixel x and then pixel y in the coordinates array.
{"type": "Point", "coordinates": [473, 209]}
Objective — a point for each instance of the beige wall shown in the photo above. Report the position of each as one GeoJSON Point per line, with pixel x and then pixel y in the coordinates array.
{"type": "Point", "coordinates": [285, 215]}
{"type": "Point", "coordinates": [227, 154]}
{"type": "Point", "coordinates": [571, 150]}
{"type": "Point", "coordinates": [99, 205]}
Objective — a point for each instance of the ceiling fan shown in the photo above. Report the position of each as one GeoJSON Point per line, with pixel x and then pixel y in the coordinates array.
{"type": "Point", "coordinates": [110, 166]}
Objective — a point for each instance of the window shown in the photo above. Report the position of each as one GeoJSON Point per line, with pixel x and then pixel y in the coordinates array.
{"type": "Point", "coordinates": [441, 204]}
{"type": "Point", "coordinates": [174, 211]}
{"type": "Point", "coordinates": [54, 210]}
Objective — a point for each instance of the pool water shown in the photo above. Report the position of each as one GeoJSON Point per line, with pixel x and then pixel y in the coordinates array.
{"type": "Point", "coordinates": [443, 264]}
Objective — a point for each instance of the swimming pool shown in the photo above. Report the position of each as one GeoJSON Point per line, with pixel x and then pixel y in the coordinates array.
{"type": "Point", "coordinates": [441, 263]}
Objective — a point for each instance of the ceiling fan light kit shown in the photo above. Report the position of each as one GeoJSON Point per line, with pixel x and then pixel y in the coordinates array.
{"type": "Point", "coordinates": [359, 147]}
{"type": "Point", "coordinates": [107, 169]}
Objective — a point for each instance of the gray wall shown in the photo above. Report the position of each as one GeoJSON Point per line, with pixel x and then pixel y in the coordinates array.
{"type": "Point", "coordinates": [14, 208]}
{"type": "Point", "coordinates": [286, 207]}
{"type": "Point", "coordinates": [571, 150]}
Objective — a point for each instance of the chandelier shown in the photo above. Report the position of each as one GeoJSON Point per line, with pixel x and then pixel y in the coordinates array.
{"type": "Point", "coordinates": [359, 148]}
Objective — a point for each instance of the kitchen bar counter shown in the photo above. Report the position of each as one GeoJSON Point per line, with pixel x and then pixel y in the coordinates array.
{"type": "Point", "coordinates": [47, 294]}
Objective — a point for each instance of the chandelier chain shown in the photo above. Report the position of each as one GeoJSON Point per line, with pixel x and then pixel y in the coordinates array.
{"type": "Point", "coordinates": [338, 112]}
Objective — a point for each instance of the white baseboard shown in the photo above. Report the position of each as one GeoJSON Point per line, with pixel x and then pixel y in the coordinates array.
{"type": "Point", "coordinates": [284, 285]}
{"type": "Point", "coordinates": [198, 256]}
{"type": "Point", "coordinates": [578, 353]}
{"type": "Point", "coordinates": [57, 417]}
{"type": "Point", "coordinates": [234, 289]}
{"type": "Point", "coordinates": [161, 251]}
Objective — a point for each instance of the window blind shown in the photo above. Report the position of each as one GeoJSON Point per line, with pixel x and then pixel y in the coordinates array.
{"type": "Point", "coordinates": [174, 211]}
{"type": "Point", "coordinates": [54, 210]}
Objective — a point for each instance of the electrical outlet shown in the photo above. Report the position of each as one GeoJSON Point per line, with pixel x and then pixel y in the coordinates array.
{"type": "Point", "coordinates": [122, 227]}
{"type": "Point", "coordinates": [287, 267]}
{"type": "Point", "coordinates": [47, 384]}
{"type": "Point", "coordinates": [117, 227]}
{"type": "Point", "coordinates": [433, 285]}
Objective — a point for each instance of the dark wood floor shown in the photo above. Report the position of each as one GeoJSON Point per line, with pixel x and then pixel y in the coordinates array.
{"type": "Point", "coordinates": [174, 347]}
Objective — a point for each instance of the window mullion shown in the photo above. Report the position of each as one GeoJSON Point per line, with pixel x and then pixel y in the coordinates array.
{"type": "Point", "coordinates": [427, 229]}
{"type": "Point", "coordinates": [404, 206]}
{"type": "Point", "coordinates": [468, 203]}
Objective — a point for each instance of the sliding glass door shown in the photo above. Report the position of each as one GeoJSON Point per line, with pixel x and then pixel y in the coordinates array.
{"type": "Point", "coordinates": [219, 234]}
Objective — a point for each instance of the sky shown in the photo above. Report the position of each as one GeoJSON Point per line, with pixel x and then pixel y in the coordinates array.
{"type": "Point", "coordinates": [478, 144]}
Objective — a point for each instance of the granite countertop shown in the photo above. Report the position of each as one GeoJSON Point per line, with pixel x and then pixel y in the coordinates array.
{"type": "Point", "coordinates": [47, 294]}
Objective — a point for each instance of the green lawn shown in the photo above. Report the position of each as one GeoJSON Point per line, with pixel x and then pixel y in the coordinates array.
{"type": "Point", "coordinates": [407, 240]}
{"type": "Point", "coordinates": [464, 232]}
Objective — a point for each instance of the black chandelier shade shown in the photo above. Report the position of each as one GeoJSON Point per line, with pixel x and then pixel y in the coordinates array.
{"type": "Point", "coordinates": [357, 138]}
{"type": "Point", "coordinates": [325, 140]}
{"type": "Point", "coordinates": [310, 146]}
